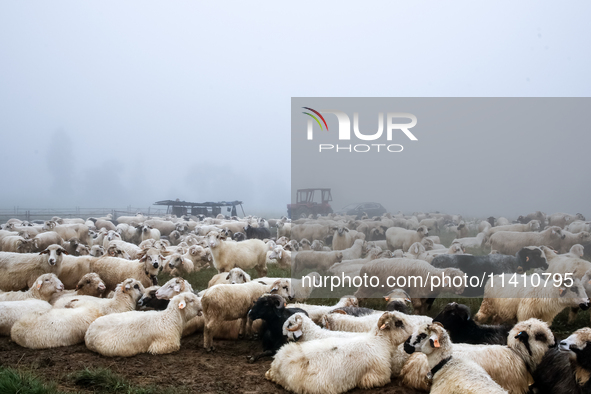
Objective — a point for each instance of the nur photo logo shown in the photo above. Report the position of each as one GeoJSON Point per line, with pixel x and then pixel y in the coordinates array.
{"type": "Point", "coordinates": [392, 120]}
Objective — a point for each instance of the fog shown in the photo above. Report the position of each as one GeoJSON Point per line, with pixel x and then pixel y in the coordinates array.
{"type": "Point", "coordinates": [110, 104]}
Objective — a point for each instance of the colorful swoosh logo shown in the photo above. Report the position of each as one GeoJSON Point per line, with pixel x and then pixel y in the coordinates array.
{"type": "Point", "coordinates": [315, 118]}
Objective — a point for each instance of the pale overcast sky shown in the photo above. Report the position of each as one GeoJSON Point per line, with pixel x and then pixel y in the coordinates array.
{"type": "Point", "coordinates": [117, 103]}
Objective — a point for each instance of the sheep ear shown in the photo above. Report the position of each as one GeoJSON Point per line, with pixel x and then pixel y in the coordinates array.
{"type": "Point", "coordinates": [46, 251]}
{"type": "Point", "coordinates": [275, 288]}
{"type": "Point", "coordinates": [562, 291]}
{"type": "Point", "coordinates": [127, 286]}
{"type": "Point", "coordinates": [39, 284]}
{"type": "Point", "coordinates": [434, 341]}
{"type": "Point", "coordinates": [182, 304]}
{"type": "Point", "coordinates": [177, 287]}
{"type": "Point", "coordinates": [387, 298]}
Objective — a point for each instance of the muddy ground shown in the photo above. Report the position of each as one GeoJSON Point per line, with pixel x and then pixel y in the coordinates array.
{"type": "Point", "coordinates": [224, 371]}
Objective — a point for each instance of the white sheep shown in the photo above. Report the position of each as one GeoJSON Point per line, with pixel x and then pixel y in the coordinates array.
{"type": "Point", "coordinates": [228, 254]}
{"type": "Point", "coordinates": [67, 326]}
{"type": "Point", "coordinates": [113, 270]}
{"type": "Point", "coordinates": [343, 238]}
{"type": "Point", "coordinates": [319, 261]}
{"type": "Point", "coordinates": [177, 264]}
{"type": "Point", "coordinates": [355, 251]}
{"type": "Point", "coordinates": [449, 374]}
{"type": "Point", "coordinates": [234, 276]}
{"type": "Point", "coordinates": [300, 328]}
{"type": "Point", "coordinates": [16, 244]}
{"type": "Point", "coordinates": [399, 238]}
{"type": "Point", "coordinates": [173, 287]}
{"type": "Point", "coordinates": [130, 333]}
{"type": "Point", "coordinates": [20, 270]}
{"type": "Point", "coordinates": [510, 242]}
{"type": "Point", "coordinates": [340, 364]}
{"type": "Point", "coordinates": [43, 240]}
{"type": "Point", "coordinates": [12, 311]}
{"type": "Point", "coordinates": [90, 284]}
{"type": "Point", "coordinates": [316, 312]}
{"type": "Point", "coordinates": [342, 322]}
{"type": "Point", "coordinates": [522, 300]}
{"type": "Point", "coordinates": [282, 256]}
{"type": "Point", "coordinates": [97, 251]}
{"type": "Point", "coordinates": [44, 288]}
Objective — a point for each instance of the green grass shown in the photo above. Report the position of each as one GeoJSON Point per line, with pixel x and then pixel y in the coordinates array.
{"type": "Point", "coordinates": [104, 381]}
{"type": "Point", "coordinates": [13, 381]}
{"type": "Point", "coordinates": [99, 380]}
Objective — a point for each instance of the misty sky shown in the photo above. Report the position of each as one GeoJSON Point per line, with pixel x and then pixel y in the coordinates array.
{"type": "Point", "coordinates": [118, 103]}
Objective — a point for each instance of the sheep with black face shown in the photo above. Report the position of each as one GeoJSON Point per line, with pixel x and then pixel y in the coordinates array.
{"type": "Point", "coordinates": [271, 308]}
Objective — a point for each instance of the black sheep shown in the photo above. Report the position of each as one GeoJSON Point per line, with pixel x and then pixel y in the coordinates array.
{"type": "Point", "coordinates": [462, 329]}
{"type": "Point", "coordinates": [150, 301]}
{"type": "Point", "coordinates": [566, 370]}
{"type": "Point", "coordinates": [527, 258]}
{"type": "Point", "coordinates": [259, 233]}
{"type": "Point", "coordinates": [271, 308]}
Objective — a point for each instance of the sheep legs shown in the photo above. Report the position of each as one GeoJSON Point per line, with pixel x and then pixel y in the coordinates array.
{"type": "Point", "coordinates": [245, 327]}
{"type": "Point", "coordinates": [208, 335]}
{"type": "Point", "coordinates": [266, 353]}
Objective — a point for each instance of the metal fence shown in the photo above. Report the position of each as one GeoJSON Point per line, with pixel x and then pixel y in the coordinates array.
{"type": "Point", "coordinates": [31, 214]}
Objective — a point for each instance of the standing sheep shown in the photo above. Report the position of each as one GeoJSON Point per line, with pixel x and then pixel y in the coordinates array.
{"type": "Point", "coordinates": [20, 270]}
{"type": "Point", "coordinates": [399, 238]}
{"type": "Point", "coordinates": [113, 270]}
{"type": "Point", "coordinates": [230, 302]}
{"type": "Point", "coordinates": [228, 254]}
{"type": "Point", "coordinates": [510, 242]}
{"type": "Point", "coordinates": [525, 301]}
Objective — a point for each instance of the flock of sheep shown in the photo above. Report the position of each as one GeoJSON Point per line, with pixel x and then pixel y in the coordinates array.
{"type": "Point", "coordinates": [95, 281]}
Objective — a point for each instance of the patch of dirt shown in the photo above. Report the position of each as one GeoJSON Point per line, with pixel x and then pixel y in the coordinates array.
{"type": "Point", "coordinates": [225, 370]}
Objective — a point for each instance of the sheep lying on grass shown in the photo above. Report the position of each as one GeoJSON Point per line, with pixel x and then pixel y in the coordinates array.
{"type": "Point", "coordinates": [90, 284]}
{"type": "Point", "coordinates": [67, 326]}
{"type": "Point", "coordinates": [450, 374]}
{"type": "Point", "coordinates": [130, 333]}
{"type": "Point", "coordinates": [340, 364]}
{"type": "Point", "coordinates": [44, 288]}
{"type": "Point", "coordinates": [12, 311]}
